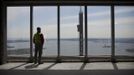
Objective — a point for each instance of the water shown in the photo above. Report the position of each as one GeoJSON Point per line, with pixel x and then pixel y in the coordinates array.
{"type": "Point", "coordinates": [70, 47]}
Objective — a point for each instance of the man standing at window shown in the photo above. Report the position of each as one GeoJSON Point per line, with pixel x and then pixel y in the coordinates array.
{"type": "Point", "coordinates": [38, 40]}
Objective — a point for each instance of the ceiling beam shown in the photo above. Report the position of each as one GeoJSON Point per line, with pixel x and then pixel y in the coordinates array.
{"type": "Point", "coordinates": [66, 2]}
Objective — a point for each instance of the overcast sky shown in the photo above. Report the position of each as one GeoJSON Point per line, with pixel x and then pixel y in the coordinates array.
{"type": "Point", "coordinates": [18, 21]}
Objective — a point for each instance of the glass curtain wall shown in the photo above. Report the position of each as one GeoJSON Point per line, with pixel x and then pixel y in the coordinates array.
{"type": "Point", "coordinates": [99, 30]}
{"type": "Point", "coordinates": [18, 31]}
{"type": "Point", "coordinates": [69, 19]}
{"type": "Point", "coordinates": [45, 17]}
{"type": "Point", "coordinates": [124, 30]}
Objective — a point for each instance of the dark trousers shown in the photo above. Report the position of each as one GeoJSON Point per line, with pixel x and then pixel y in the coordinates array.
{"type": "Point", "coordinates": [38, 53]}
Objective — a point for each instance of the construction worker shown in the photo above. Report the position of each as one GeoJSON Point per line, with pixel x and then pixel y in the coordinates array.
{"type": "Point", "coordinates": [38, 40]}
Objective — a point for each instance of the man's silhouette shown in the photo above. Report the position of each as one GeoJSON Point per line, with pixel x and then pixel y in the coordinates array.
{"type": "Point", "coordinates": [38, 40]}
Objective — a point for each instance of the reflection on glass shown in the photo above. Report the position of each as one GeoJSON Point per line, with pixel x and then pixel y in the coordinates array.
{"type": "Point", "coordinates": [124, 28]}
{"type": "Point", "coordinates": [99, 30]}
{"type": "Point", "coordinates": [18, 35]}
{"type": "Point", "coordinates": [46, 18]}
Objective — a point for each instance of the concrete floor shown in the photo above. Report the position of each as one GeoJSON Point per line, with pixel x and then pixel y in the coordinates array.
{"type": "Point", "coordinates": [68, 68]}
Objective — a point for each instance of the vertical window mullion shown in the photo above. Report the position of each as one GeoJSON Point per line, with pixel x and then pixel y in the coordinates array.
{"type": "Point", "coordinates": [86, 34]}
{"type": "Point", "coordinates": [58, 23]}
{"type": "Point", "coordinates": [112, 34]}
{"type": "Point", "coordinates": [31, 31]}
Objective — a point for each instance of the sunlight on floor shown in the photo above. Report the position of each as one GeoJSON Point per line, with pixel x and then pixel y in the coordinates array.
{"type": "Point", "coordinates": [69, 66]}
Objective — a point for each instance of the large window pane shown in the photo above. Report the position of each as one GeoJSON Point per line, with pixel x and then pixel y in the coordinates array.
{"type": "Point", "coordinates": [99, 30]}
{"type": "Point", "coordinates": [46, 18]}
{"type": "Point", "coordinates": [69, 19]}
{"type": "Point", "coordinates": [18, 27]}
{"type": "Point", "coordinates": [124, 28]}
